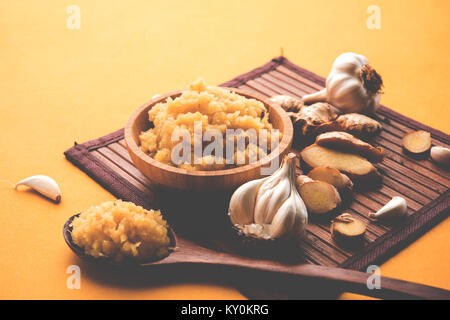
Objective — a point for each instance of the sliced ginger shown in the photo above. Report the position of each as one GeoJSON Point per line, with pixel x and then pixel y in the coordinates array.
{"type": "Point", "coordinates": [332, 176]}
{"type": "Point", "coordinates": [356, 166]}
{"type": "Point", "coordinates": [417, 142]}
{"type": "Point", "coordinates": [346, 142]}
{"type": "Point", "coordinates": [319, 197]}
{"type": "Point", "coordinates": [347, 229]}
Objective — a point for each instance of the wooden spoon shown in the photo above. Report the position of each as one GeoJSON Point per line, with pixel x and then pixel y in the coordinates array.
{"type": "Point", "coordinates": [187, 252]}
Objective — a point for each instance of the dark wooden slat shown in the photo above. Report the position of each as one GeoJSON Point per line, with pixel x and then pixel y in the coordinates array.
{"type": "Point", "coordinates": [265, 84]}
{"type": "Point", "coordinates": [407, 171]}
{"type": "Point", "coordinates": [126, 162]}
{"type": "Point", "coordinates": [251, 89]}
{"type": "Point", "coordinates": [388, 141]}
{"type": "Point", "coordinates": [388, 192]}
{"type": "Point", "coordinates": [262, 90]}
{"type": "Point", "coordinates": [407, 181]}
{"type": "Point", "coordinates": [324, 248]}
{"type": "Point", "coordinates": [122, 143]}
{"type": "Point", "coordinates": [126, 166]}
{"type": "Point", "coordinates": [374, 200]}
{"type": "Point", "coordinates": [121, 150]}
{"type": "Point", "coordinates": [401, 160]}
{"type": "Point", "coordinates": [282, 79]}
{"type": "Point", "coordinates": [315, 255]}
{"type": "Point", "coordinates": [287, 89]}
{"type": "Point", "coordinates": [124, 174]}
{"type": "Point", "coordinates": [312, 85]}
{"type": "Point", "coordinates": [383, 194]}
{"type": "Point", "coordinates": [405, 191]}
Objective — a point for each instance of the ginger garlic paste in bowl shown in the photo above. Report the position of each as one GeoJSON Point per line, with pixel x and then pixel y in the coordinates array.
{"type": "Point", "coordinates": [207, 138]}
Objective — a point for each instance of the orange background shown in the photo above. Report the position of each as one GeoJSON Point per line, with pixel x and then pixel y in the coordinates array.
{"type": "Point", "coordinates": [60, 85]}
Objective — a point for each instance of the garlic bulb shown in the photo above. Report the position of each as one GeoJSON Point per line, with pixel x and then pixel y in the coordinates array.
{"type": "Point", "coordinates": [44, 185]}
{"type": "Point", "coordinates": [352, 85]}
{"type": "Point", "coordinates": [393, 209]}
{"type": "Point", "coordinates": [270, 208]}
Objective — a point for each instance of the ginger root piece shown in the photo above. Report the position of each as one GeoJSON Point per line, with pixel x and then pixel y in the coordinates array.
{"type": "Point", "coordinates": [311, 118]}
{"type": "Point", "coordinates": [319, 197]}
{"type": "Point", "coordinates": [347, 229]}
{"type": "Point", "coordinates": [417, 142]}
{"type": "Point", "coordinates": [359, 124]}
{"type": "Point", "coordinates": [288, 103]}
{"type": "Point", "coordinates": [357, 167]}
{"type": "Point", "coordinates": [332, 176]}
{"type": "Point", "coordinates": [346, 142]}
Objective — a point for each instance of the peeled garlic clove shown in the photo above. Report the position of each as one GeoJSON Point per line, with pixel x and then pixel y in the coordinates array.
{"type": "Point", "coordinates": [393, 209]}
{"type": "Point", "coordinates": [441, 155]}
{"type": "Point", "coordinates": [44, 185]}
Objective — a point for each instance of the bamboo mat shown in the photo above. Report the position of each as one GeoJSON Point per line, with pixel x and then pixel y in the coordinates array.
{"type": "Point", "coordinates": [423, 184]}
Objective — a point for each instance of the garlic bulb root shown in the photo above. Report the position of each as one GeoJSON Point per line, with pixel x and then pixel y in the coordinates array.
{"type": "Point", "coordinates": [44, 185]}
{"type": "Point", "coordinates": [270, 208]}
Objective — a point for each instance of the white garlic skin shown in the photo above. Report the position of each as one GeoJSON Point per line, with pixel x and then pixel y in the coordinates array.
{"type": "Point", "coordinates": [270, 206]}
{"type": "Point", "coordinates": [344, 88]}
{"type": "Point", "coordinates": [44, 185]}
{"type": "Point", "coordinates": [395, 208]}
{"type": "Point", "coordinates": [242, 202]}
{"type": "Point", "coordinates": [271, 195]}
{"type": "Point", "coordinates": [441, 155]}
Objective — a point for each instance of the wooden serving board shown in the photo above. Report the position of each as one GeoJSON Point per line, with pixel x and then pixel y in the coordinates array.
{"type": "Point", "coordinates": [421, 182]}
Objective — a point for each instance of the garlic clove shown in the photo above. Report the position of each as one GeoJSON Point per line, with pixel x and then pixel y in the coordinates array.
{"type": "Point", "coordinates": [44, 185]}
{"type": "Point", "coordinates": [284, 219]}
{"type": "Point", "coordinates": [441, 155]}
{"type": "Point", "coordinates": [395, 208]}
{"type": "Point", "coordinates": [277, 197]}
{"type": "Point", "coordinates": [242, 202]}
{"type": "Point", "coordinates": [265, 193]}
{"type": "Point", "coordinates": [301, 219]}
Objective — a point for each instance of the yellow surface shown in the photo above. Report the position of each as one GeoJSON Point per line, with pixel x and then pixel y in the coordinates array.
{"type": "Point", "coordinates": [60, 85]}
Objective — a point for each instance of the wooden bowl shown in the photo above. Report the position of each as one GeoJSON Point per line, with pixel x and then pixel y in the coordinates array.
{"type": "Point", "coordinates": [227, 179]}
